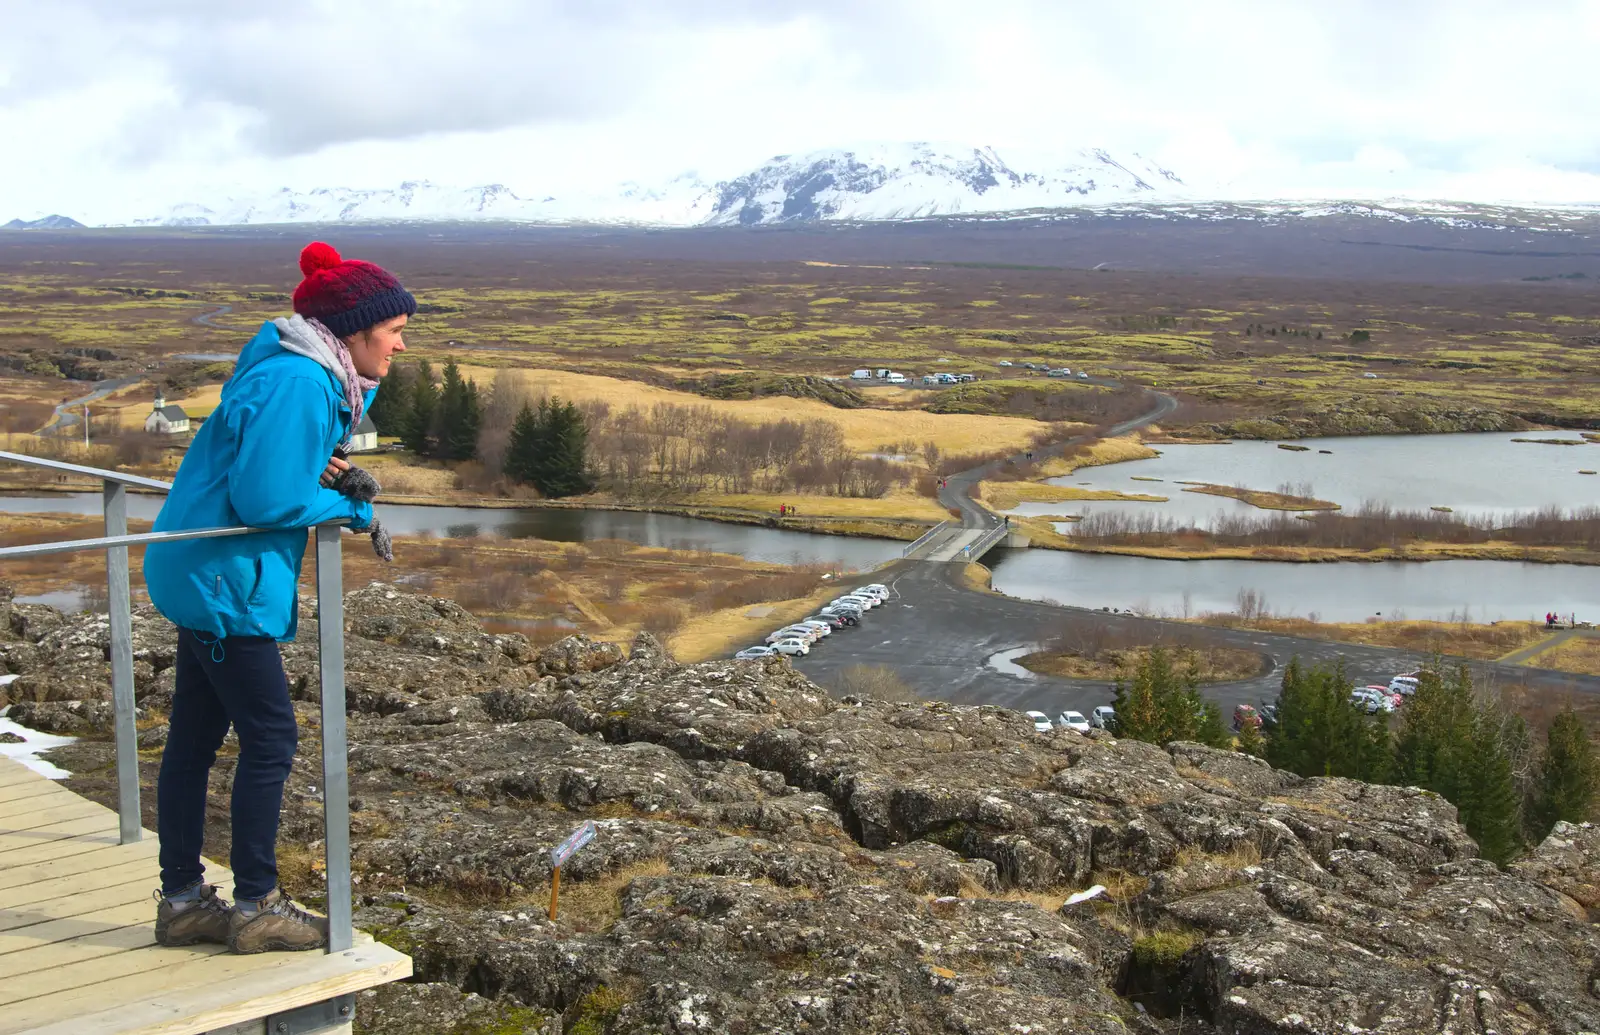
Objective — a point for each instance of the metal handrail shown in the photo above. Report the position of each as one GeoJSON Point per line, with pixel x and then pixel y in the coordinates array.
{"type": "Point", "coordinates": [330, 665]}
{"type": "Point", "coordinates": [986, 540]}
{"type": "Point", "coordinates": [923, 538]}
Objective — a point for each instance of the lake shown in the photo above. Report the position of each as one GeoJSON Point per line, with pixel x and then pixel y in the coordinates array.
{"type": "Point", "coordinates": [1477, 474]}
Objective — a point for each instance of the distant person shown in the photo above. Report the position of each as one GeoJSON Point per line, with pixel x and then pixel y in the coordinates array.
{"type": "Point", "coordinates": [263, 460]}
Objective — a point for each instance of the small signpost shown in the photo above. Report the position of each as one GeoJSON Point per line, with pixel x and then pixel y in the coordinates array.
{"type": "Point", "coordinates": [561, 853]}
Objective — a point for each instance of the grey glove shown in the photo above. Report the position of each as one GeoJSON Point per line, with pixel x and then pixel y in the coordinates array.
{"type": "Point", "coordinates": [382, 545]}
{"type": "Point", "coordinates": [358, 484]}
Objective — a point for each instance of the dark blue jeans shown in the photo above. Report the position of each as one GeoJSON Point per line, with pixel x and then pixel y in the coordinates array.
{"type": "Point", "coordinates": [237, 680]}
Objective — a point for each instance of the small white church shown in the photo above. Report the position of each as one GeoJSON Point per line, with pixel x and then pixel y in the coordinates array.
{"type": "Point", "coordinates": [165, 419]}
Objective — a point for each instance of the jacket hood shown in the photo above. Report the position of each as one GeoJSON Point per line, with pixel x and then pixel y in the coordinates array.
{"type": "Point", "coordinates": [267, 344]}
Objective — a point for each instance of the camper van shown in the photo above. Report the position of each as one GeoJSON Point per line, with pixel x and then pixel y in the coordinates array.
{"type": "Point", "coordinates": [896, 379]}
{"type": "Point", "coordinates": [862, 375]}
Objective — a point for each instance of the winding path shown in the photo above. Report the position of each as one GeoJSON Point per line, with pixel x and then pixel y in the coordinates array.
{"type": "Point", "coordinates": [940, 633]}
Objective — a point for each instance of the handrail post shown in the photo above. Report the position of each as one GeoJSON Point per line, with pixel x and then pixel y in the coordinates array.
{"type": "Point", "coordinates": [335, 774]}
{"type": "Point", "coordinates": [114, 497]}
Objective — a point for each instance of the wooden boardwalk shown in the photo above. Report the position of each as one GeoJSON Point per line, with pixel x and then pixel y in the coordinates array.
{"type": "Point", "coordinates": [77, 935]}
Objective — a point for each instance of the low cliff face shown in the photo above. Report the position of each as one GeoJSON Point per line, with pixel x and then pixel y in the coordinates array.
{"type": "Point", "coordinates": [770, 859]}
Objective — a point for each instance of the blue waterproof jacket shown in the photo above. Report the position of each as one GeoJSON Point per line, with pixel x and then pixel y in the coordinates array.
{"type": "Point", "coordinates": [255, 462]}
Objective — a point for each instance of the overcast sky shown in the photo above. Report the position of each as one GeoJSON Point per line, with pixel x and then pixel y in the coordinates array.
{"type": "Point", "coordinates": [117, 103]}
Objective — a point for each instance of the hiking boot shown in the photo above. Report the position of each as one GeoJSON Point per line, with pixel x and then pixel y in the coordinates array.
{"type": "Point", "coordinates": [278, 924]}
{"type": "Point", "coordinates": [204, 919]}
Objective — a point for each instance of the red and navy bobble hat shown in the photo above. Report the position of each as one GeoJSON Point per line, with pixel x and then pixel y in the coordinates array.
{"type": "Point", "coordinates": [348, 295]}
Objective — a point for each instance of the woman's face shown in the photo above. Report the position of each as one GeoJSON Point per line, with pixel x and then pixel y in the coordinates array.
{"type": "Point", "coordinates": [372, 349]}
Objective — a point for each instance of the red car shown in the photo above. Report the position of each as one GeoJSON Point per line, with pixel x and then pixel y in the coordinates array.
{"type": "Point", "coordinates": [1245, 715]}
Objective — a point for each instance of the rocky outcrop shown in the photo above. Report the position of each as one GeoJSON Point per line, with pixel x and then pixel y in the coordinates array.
{"type": "Point", "coordinates": [770, 859]}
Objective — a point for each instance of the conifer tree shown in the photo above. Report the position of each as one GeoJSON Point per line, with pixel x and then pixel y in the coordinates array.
{"type": "Point", "coordinates": [459, 416]}
{"type": "Point", "coordinates": [418, 432]}
{"type": "Point", "coordinates": [1567, 780]}
{"type": "Point", "coordinates": [1210, 729]}
{"type": "Point", "coordinates": [566, 470]}
{"type": "Point", "coordinates": [527, 444]}
{"type": "Point", "coordinates": [1159, 704]}
{"type": "Point", "coordinates": [1487, 797]}
{"type": "Point", "coordinates": [1250, 740]}
{"type": "Point", "coordinates": [391, 407]}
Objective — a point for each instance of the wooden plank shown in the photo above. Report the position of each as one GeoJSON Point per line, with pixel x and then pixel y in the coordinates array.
{"type": "Point", "coordinates": [50, 813]}
{"type": "Point", "coordinates": [60, 885]}
{"type": "Point", "coordinates": [144, 960]}
{"type": "Point", "coordinates": [63, 954]}
{"type": "Point", "coordinates": [206, 994]}
{"type": "Point", "coordinates": [86, 929]}
{"type": "Point", "coordinates": [84, 829]}
{"type": "Point", "coordinates": [14, 773]}
{"type": "Point", "coordinates": [13, 876]}
{"type": "Point", "coordinates": [127, 892]}
{"type": "Point", "coordinates": [28, 790]}
{"type": "Point", "coordinates": [62, 849]}
{"type": "Point", "coordinates": [48, 796]}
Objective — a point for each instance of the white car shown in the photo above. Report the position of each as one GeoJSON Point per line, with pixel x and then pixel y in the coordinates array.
{"type": "Point", "coordinates": [1073, 721]}
{"type": "Point", "coordinates": [1403, 685]}
{"type": "Point", "coordinates": [897, 379]}
{"type": "Point", "coordinates": [793, 632]}
{"type": "Point", "coordinates": [822, 628]}
{"type": "Point", "coordinates": [1082, 376]}
{"type": "Point", "coordinates": [878, 588]}
{"type": "Point", "coordinates": [1371, 700]}
{"type": "Point", "coordinates": [859, 601]}
{"type": "Point", "coordinates": [1005, 363]}
{"type": "Point", "coordinates": [754, 652]}
{"type": "Point", "coordinates": [1041, 722]}
{"type": "Point", "coordinates": [1103, 717]}
{"type": "Point", "coordinates": [792, 646]}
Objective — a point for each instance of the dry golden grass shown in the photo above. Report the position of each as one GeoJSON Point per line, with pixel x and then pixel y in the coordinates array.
{"type": "Point", "coordinates": [978, 577]}
{"type": "Point", "coordinates": [718, 634]}
{"type": "Point", "coordinates": [1211, 664]}
{"type": "Point", "coordinates": [1580, 654]}
{"type": "Point", "coordinates": [1097, 454]}
{"type": "Point", "coordinates": [900, 503]}
{"type": "Point", "coordinates": [864, 430]}
{"type": "Point", "coordinates": [1264, 499]}
{"type": "Point", "coordinates": [1006, 495]}
{"type": "Point", "coordinates": [1486, 642]}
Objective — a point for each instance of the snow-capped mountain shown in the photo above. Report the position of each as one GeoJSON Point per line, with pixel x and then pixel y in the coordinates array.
{"type": "Point", "coordinates": [881, 181]}
{"type": "Point", "coordinates": [904, 182]}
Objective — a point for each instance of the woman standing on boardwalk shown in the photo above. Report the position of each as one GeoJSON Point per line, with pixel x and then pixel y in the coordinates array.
{"type": "Point", "coordinates": [262, 460]}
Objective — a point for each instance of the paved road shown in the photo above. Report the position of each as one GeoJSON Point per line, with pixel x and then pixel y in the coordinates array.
{"type": "Point", "coordinates": [65, 419]}
{"type": "Point", "coordinates": [939, 635]}
{"type": "Point", "coordinates": [205, 319]}
{"type": "Point", "coordinates": [956, 493]}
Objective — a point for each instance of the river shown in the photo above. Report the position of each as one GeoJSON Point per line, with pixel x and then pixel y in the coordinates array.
{"type": "Point", "coordinates": [560, 525]}
{"type": "Point", "coordinates": [1346, 591]}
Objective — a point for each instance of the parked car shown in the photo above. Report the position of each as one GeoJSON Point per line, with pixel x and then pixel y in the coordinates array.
{"type": "Point", "coordinates": [967, 378]}
{"type": "Point", "coordinates": [877, 589]}
{"type": "Point", "coordinates": [833, 621]}
{"type": "Point", "coordinates": [859, 599]}
{"type": "Point", "coordinates": [1082, 376]}
{"type": "Point", "coordinates": [1395, 697]}
{"type": "Point", "coordinates": [1374, 376]}
{"type": "Point", "coordinates": [1059, 372]}
{"type": "Point", "coordinates": [754, 652]}
{"type": "Point", "coordinates": [1268, 710]}
{"type": "Point", "coordinates": [822, 628]}
{"type": "Point", "coordinates": [1073, 721]}
{"type": "Point", "coordinates": [861, 375]}
{"type": "Point", "coordinates": [896, 379]}
{"type": "Point", "coordinates": [792, 646]}
{"type": "Point", "coordinates": [1103, 718]}
{"type": "Point", "coordinates": [1041, 722]}
{"type": "Point", "coordinates": [796, 632]}
{"type": "Point", "coordinates": [1244, 715]}
{"type": "Point", "coordinates": [930, 379]}
{"type": "Point", "coordinates": [1005, 363]}
{"type": "Point", "coordinates": [1403, 685]}
{"type": "Point", "coordinates": [851, 615]}
{"type": "Point", "coordinates": [1371, 700]}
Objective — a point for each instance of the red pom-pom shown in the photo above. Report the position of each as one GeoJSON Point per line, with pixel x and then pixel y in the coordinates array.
{"type": "Point", "coordinates": [318, 256]}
